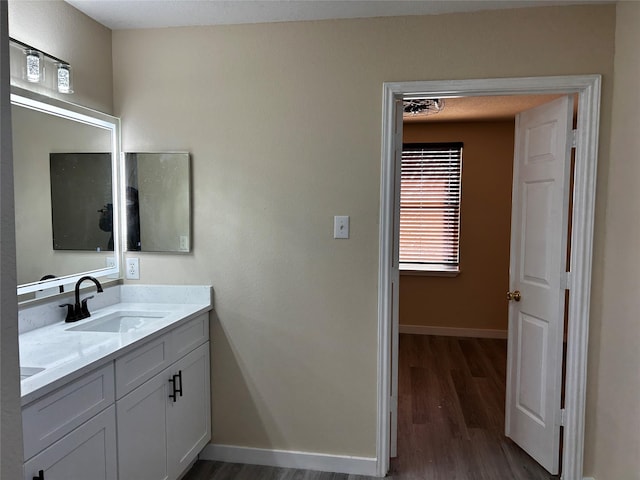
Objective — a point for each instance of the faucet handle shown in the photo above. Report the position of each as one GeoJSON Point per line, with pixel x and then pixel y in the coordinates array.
{"type": "Point", "coordinates": [71, 312]}
{"type": "Point", "coordinates": [84, 308]}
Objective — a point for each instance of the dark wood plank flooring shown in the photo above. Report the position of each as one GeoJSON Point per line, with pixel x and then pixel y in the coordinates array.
{"type": "Point", "coordinates": [450, 419]}
{"type": "Point", "coordinates": [451, 394]}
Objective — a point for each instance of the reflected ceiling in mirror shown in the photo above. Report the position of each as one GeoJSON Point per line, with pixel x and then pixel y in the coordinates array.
{"type": "Point", "coordinates": [158, 202]}
{"type": "Point", "coordinates": [42, 129]}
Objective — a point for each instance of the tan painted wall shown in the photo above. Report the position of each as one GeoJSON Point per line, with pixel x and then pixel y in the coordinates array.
{"type": "Point", "coordinates": [283, 122]}
{"type": "Point", "coordinates": [613, 430]}
{"type": "Point", "coordinates": [475, 298]}
{"type": "Point", "coordinates": [10, 419]}
{"type": "Point", "coordinates": [59, 29]}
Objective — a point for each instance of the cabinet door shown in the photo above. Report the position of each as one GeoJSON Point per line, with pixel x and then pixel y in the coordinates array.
{"type": "Point", "coordinates": [87, 452]}
{"type": "Point", "coordinates": [189, 417]}
{"type": "Point", "coordinates": [142, 439]}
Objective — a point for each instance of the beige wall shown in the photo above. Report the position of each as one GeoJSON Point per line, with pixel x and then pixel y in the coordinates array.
{"type": "Point", "coordinates": [57, 28]}
{"type": "Point", "coordinates": [613, 431]}
{"type": "Point", "coordinates": [283, 122]}
{"type": "Point", "coordinates": [474, 298]}
{"type": "Point", "coordinates": [10, 419]}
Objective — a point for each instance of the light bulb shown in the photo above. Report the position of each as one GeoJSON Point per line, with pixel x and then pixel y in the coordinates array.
{"type": "Point", "coordinates": [34, 66]}
{"type": "Point", "coordinates": [65, 84]}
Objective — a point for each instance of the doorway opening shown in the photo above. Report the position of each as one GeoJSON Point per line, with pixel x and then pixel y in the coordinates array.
{"type": "Point", "coordinates": [587, 89]}
{"type": "Point", "coordinates": [453, 323]}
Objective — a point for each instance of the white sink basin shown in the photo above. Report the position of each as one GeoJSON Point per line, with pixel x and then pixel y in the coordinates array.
{"type": "Point", "coordinates": [26, 372]}
{"type": "Point", "coordinates": [119, 322]}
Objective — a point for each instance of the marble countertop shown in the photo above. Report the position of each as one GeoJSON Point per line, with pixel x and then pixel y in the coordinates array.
{"type": "Point", "coordinates": [66, 354]}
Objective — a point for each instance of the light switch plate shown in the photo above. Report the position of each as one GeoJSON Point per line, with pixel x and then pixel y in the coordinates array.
{"type": "Point", "coordinates": [341, 226]}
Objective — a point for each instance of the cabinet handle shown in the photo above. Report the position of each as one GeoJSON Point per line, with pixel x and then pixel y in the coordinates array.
{"type": "Point", "coordinates": [179, 375]}
{"type": "Point", "coordinates": [172, 381]}
{"type": "Point", "coordinates": [40, 475]}
{"type": "Point", "coordinates": [174, 385]}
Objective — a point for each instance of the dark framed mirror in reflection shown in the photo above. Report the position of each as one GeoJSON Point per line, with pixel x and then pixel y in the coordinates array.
{"type": "Point", "coordinates": [81, 201]}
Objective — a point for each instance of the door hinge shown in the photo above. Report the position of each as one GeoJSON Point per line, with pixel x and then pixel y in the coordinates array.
{"type": "Point", "coordinates": [565, 281]}
{"type": "Point", "coordinates": [574, 138]}
{"type": "Point", "coordinates": [563, 417]}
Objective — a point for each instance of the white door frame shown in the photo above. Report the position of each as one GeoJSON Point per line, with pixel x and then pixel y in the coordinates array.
{"type": "Point", "coordinates": [588, 89]}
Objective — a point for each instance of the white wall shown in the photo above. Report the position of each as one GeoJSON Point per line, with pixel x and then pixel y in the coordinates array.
{"type": "Point", "coordinates": [614, 372]}
{"type": "Point", "coordinates": [283, 122]}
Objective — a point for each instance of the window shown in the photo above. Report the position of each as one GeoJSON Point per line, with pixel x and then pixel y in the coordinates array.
{"type": "Point", "coordinates": [430, 207]}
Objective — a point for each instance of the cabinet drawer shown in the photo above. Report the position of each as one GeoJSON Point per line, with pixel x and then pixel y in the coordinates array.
{"type": "Point", "coordinates": [88, 452]}
{"type": "Point", "coordinates": [189, 336]}
{"type": "Point", "coordinates": [135, 368]}
{"type": "Point", "coordinates": [53, 416]}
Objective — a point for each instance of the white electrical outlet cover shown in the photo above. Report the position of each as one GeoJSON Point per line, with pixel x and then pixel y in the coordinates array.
{"type": "Point", "coordinates": [133, 269]}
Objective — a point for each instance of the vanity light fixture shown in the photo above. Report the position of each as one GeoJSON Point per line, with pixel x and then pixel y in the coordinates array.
{"type": "Point", "coordinates": [36, 63]}
{"type": "Point", "coordinates": [65, 80]}
{"type": "Point", "coordinates": [33, 66]}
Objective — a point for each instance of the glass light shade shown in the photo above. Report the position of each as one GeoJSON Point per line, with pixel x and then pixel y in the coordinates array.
{"type": "Point", "coordinates": [34, 66]}
{"type": "Point", "coordinates": [65, 79]}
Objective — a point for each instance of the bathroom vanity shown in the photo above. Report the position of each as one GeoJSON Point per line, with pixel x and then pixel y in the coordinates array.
{"type": "Point", "coordinates": [123, 394]}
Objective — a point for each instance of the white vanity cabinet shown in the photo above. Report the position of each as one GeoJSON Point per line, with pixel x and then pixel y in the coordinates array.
{"type": "Point", "coordinates": [164, 422]}
{"type": "Point", "coordinates": [141, 415]}
{"type": "Point", "coordinates": [71, 433]}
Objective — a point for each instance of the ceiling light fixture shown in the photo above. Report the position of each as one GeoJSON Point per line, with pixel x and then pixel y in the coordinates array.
{"type": "Point", "coordinates": [423, 106]}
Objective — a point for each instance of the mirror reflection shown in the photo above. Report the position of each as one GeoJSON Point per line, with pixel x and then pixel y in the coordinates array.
{"type": "Point", "coordinates": [81, 201]}
{"type": "Point", "coordinates": [49, 143]}
{"type": "Point", "coordinates": [158, 202]}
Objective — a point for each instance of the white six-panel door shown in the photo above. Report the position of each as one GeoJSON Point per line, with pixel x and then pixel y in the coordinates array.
{"type": "Point", "coordinates": [538, 264]}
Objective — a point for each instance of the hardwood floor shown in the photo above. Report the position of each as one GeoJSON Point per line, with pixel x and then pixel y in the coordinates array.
{"type": "Point", "coordinates": [206, 470]}
{"type": "Point", "coordinates": [450, 419]}
{"type": "Point", "coordinates": [451, 412]}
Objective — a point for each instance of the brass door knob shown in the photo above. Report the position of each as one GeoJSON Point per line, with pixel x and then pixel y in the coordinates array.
{"type": "Point", "coordinates": [515, 295]}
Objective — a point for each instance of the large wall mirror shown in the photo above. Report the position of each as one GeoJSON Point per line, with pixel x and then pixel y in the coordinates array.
{"type": "Point", "coordinates": [158, 202]}
{"type": "Point", "coordinates": [66, 200]}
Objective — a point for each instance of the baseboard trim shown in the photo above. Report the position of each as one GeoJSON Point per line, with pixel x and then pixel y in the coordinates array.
{"type": "Point", "coordinates": [290, 459]}
{"type": "Point", "coordinates": [453, 331]}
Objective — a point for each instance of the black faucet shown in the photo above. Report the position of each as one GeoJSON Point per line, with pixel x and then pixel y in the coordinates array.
{"type": "Point", "coordinates": [80, 310]}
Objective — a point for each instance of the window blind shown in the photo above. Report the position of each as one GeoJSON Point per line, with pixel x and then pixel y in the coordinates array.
{"type": "Point", "coordinates": [430, 206]}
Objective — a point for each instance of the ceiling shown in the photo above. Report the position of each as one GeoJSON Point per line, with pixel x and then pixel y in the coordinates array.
{"type": "Point", "coordinates": [126, 14]}
{"type": "Point", "coordinates": [484, 108]}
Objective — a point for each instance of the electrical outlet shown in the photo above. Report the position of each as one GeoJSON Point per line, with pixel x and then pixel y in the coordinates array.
{"type": "Point", "coordinates": [184, 243]}
{"type": "Point", "coordinates": [110, 262]}
{"type": "Point", "coordinates": [133, 269]}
